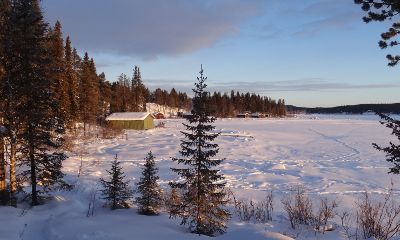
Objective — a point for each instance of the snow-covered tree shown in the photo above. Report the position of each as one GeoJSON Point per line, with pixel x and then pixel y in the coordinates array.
{"type": "Point", "coordinates": [150, 199]}
{"type": "Point", "coordinates": [116, 190]}
{"type": "Point", "coordinates": [204, 197]}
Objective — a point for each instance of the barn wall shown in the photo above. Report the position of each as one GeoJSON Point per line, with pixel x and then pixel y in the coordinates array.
{"type": "Point", "coordinates": [128, 124]}
{"type": "Point", "coordinates": [148, 122]}
{"type": "Point", "coordinates": [145, 124]}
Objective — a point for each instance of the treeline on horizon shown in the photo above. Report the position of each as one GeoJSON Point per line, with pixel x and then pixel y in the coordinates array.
{"type": "Point", "coordinates": [393, 108]}
{"type": "Point", "coordinates": [229, 105]}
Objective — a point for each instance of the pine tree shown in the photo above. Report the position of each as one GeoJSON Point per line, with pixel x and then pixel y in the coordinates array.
{"type": "Point", "coordinates": [42, 128]}
{"type": "Point", "coordinates": [204, 196]}
{"type": "Point", "coordinates": [150, 200]}
{"type": "Point", "coordinates": [382, 10]}
{"type": "Point", "coordinates": [116, 191]}
{"type": "Point", "coordinates": [392, 151]}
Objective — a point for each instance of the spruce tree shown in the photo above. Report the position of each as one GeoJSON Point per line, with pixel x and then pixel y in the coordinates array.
{"type": "Point", "coordinates": [71, 75]}
{"type": "Point", "coordinates": [138, 91]}
{"type": "Point", "coordinates": [116, 190]}
{"type": "Point", "coordinates": [393, 150]}
{"type": "Point", "coordinates": [58, 71]}
{"type": "Point", "coordinates": [174, 203]}
{"type": "Point", "coordinates": [5, 8]}
{"type": "Point", "coordinates": [10, 85]}
{"type": "Point", "coordinates": [203, 185]}
{"type": "Point", "coordinates": [150, 199]}
{"type": "Point", "coordinates": [104, 96]}
{"type": "Point", "coordinates": [88, 92]}
{"type": "Point", "coordinates": [42, 128]}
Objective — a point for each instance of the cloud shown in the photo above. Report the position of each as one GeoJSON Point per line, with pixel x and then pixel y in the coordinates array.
{"type": "Point", "coordinates": [266, 87]}
{"type": "Point", "coordinates": [307, 18]}
{"type": "Point", "coordinates": [150, 28]}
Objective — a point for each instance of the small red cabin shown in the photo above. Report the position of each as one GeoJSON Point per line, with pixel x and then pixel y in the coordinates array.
{"type": "Point", "coordinates": [159, 115]}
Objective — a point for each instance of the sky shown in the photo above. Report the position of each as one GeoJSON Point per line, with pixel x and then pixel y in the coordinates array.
{"type": "Point", "coordinates": [308, 52]}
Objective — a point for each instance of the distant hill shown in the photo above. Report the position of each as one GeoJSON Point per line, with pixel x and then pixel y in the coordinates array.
{"type": "Point", "coordinates": [352, 109]}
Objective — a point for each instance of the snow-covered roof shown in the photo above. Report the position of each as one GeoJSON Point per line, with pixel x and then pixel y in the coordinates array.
{"type": "Point", "coordinates": [128, 116]}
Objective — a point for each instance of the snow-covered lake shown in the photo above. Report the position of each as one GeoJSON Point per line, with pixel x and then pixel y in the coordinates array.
{"type": "Point", "coordinates": [331, 155]}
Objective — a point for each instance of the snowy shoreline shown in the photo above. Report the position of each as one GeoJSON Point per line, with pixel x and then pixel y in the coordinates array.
{"type": "Point", "coordinates": [331, 157]}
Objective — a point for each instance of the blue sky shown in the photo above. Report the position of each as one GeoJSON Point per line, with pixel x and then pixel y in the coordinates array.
{"type": "Point", "coordinates": [309, 52]}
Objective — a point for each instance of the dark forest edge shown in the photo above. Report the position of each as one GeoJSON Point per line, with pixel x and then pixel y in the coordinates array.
{"type": "Point", "coordinates": [393, 108]}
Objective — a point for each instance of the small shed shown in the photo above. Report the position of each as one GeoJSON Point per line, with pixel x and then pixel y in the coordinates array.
{"type": "Point", "coordinates": [132, 120]}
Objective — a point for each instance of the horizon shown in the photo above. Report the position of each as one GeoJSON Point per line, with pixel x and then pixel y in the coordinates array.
{"type": "Point", "coordinates": [313, 53]}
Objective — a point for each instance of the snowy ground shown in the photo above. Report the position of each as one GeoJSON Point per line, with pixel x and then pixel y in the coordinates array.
{"type": "Point", "coordinates": [332, 156]}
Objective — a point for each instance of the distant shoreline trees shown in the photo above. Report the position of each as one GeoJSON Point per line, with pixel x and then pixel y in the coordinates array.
{"type": "Point", "coordinates": [224, 105]}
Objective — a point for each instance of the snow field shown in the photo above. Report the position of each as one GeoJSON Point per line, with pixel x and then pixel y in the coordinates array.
{"type": "Point", "coordinates": [330, 156]}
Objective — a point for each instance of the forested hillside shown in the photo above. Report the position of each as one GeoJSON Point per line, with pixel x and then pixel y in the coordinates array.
{"type": "Point", "coordinates": [352, 109]}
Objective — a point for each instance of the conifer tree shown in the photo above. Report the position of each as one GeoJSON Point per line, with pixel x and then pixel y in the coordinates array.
{"type": "Point", "coordinates": [104, 95]}
{"type": "Point", "coordinates": [126, 102]}
{"type": "Point", "coordinates": [382, 10]}
{"type": "Point", "coordinates": [88, 92]}
{"type": "Point", "coordinates": [393, 150]}
{"type": "Point", "coordinates": [71, 75]}
{"type": "Point", "coordinates": [41, 134]}
{"type": "Point", "coordinates": [174, 203]}
{"type": "Point", "coordinates": [10, 87]}
{"type": "Point", "coordinates": [58, 71]}
{"type": "Point", "coordinates": [150, 199]}
{"type": "Point", "coordinates": [116, 190]}
{"type": "Point", "coordinates": [203, 185]}
{"type": "Point", "coordinates": [5, 8]}
{"type": "Point", "coordinates": [138, 91]}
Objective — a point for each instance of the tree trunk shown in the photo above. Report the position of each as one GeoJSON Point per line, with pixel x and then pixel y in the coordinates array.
{"type": "Point", "coordinates": [33, 168]}
{"type": "Point", "coordinates": [3, 185]}
{"type": "Point", "coordinates": [13, 166]}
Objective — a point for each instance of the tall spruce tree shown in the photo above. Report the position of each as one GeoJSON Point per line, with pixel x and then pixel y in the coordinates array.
{"type": "Point", "coordinates": [204, 197]}
{"type": "Point", "coordinates": [116, 190]}
{"type": "Point", "coordinates": [71, 75]}
{"type": "Point", "coordinates": [88, 92]}
{"type": "Point", "coordinates": [150, 199]}
{"type": "Point", "coordinates": [42, 130]}
{"type": "Point", "coordinates": [138, 91]}
{"type": "Point", "coordinates": [10, 85]}
{"type": "Point", "coordinates": [58, 71]}
{"type": "Point", "coordinates": [104, 96]}
{"type": "Point", "coordinates": [5, 10]}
